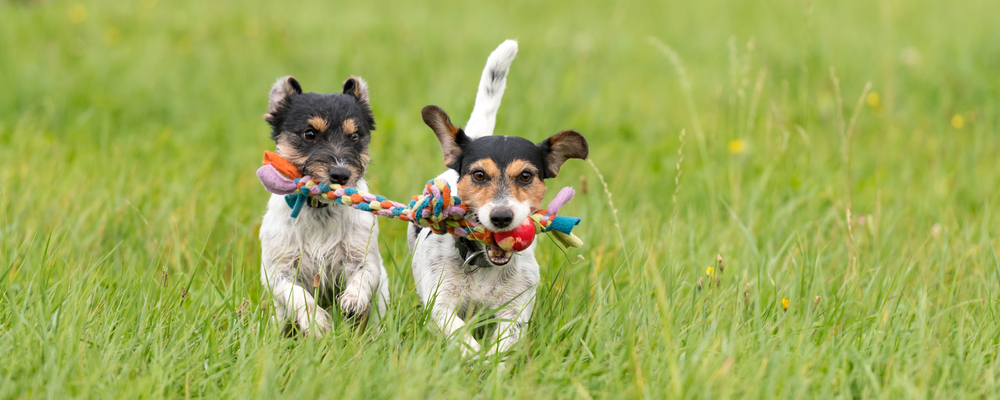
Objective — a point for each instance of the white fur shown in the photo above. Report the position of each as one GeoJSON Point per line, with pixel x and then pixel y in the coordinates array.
{"type": "Point", "coordinates": [442, 282]}
{"type": "Point", "coordinates": [521, 211]}
{"type": "Point", "coordinates": [339, 244]}
{"type": "Point", "coordinates": [491, 87]}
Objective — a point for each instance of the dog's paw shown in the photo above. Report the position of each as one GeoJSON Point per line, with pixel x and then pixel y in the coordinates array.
{"type": "Point", "coordinates": [353, 303]}
{"type": "Point", "coordinates": [314, 323]}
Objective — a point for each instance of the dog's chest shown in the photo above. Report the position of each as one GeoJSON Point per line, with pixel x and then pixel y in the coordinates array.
{"type": "Point", "coordinates": [318, 237]}
{"type": "Point", "coordinates": [488, 286]}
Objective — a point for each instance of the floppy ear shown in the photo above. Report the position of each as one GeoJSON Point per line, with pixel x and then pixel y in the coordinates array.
{"type": "Point", "coordinates": [357, 87]}
{"type": "Point", "coordinates": [452, 138]}
{"type": "Point", "coordinates": [560, 147]}
{"type": "Point", "coordinates": [282, 90]}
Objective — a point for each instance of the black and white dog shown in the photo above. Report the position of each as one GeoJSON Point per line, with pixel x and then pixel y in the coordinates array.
{"type": "Point", "coordinates": [329, 251]}
{"type": "Point", "coordinates": [501, 179]}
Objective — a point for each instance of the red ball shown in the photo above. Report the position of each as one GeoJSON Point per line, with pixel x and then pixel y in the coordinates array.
{"type": "Point", "coordinates": [517, 239]}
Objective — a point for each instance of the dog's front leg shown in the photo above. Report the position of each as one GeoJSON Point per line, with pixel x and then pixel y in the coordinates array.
{"type": "Point", "coordinates": [449, 324]}
{"type": "Point", "coordinates": [362, 280]}
{"type": "Point", "coordinates": [292, 300]}
{"type": "Point", "coordinates": [512, 320]}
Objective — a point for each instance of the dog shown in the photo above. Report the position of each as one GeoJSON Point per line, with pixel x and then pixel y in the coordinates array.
{"type": "Point", "coordinates": [329, 251]}
{"type": "Point", "coordinates": [501, 179]}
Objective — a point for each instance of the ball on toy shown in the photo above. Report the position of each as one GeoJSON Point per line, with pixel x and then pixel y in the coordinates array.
{"type": "Point", "coordinates": [518, 238]}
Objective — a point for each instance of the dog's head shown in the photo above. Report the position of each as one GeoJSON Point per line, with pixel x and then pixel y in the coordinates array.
{"type": "Point", "coordinates": [325, 135]}
{"type": "Point", "coordinates": [501, 178]}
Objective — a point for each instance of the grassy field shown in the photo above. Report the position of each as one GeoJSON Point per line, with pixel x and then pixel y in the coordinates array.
{"type": "Point", "coordinates": [130, 131]}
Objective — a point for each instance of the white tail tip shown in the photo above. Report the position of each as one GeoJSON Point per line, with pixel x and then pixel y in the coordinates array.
{"type": "Point", "coordinates": [491, 88]}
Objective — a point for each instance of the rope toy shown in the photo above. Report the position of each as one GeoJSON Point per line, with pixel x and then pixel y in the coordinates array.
{"type": "Point", "coordinates": [436, 208]}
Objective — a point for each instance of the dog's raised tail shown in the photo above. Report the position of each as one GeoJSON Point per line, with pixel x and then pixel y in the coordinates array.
{"type": "Point", "coordinates": [491, 87]}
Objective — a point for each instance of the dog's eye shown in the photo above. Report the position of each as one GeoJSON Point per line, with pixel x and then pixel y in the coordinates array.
{"type": "Point", "coordinates": [309, 135]}
{"type": "Point", "coordinates": [479, 176]}
{"type": "Point", "coordinates": [526, 176]}
{"type": "Point", "coordinates": [354, 137]}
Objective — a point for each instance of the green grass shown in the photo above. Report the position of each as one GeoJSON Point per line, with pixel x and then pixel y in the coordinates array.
{"type": "Point", "coordinates": [129, 262]}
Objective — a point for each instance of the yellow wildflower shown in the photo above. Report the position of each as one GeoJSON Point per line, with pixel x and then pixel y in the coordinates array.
{"type": "Point", "coordinates": [708, 271]}
{"type": "Point", "coordinates": [784, 304]}
{"type": "Point", "coordinates": [957, 121]}
{"type": "Point", "coordinates": [77, 13]}
{"type": "Point", "coordinates": [872, 99]}
{"type": "Point", "coordinates": [737, 146]}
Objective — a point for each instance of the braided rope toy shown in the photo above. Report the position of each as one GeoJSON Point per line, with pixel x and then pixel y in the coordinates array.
{"type": "Point", "coordinates": [436, 208]}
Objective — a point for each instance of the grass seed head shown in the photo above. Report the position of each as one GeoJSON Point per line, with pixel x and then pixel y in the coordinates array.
{"type": "Point", "coordinates": [243, 306]}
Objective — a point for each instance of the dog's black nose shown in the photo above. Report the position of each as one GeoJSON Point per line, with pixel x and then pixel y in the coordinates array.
{"type": "Point", "coordinates": [340, 176]}
{"type": "Point", "coordinates": [502, 218]}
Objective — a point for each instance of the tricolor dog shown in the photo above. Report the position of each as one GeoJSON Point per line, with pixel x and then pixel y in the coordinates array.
{"type": "Point", "coordinates": [329, 253]}
{"type": "Point", "coordinates": [502, 180]}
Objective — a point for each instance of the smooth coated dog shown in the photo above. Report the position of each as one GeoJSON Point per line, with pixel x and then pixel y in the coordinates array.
{"type": "Point", "coordinates": [501, 179]}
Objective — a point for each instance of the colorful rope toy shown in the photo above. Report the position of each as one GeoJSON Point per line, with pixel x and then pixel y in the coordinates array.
{"type": "Point", "coordinates": [436, 208]}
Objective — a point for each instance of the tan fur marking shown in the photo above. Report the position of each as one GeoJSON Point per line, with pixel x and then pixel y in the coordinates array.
{"type": "Point", "coordinates": [349, 126]}
{"type": "Point", "coordinates": [534, 192]}
{"type": "Point", "coordinates": [319, 123]}
{"type": "Point", "coordinates": [287, 151]}
{"type": "Point", "coordinates": [445, 131]}
{"type": "Point", "coordinates": [319, 170]}
{"type": "Point", "coordinates": [366, 157]}
{"type": "Point", "coordinates": [475, 194]}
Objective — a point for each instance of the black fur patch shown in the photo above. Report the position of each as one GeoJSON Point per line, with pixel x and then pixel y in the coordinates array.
{"type": "Point", "coordinates": [460, 151]}
{"type": "Point", "coordinates": [330, 146]}
{"type": "Point", "coordinates": [296, 110]}
{"type": "Point", "coordinates": [502, 150]}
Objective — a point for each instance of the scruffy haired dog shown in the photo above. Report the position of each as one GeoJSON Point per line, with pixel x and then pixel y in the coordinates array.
{"type": "Point", "coordinates": [329, 250]}
{"type": "Point", "coordinates": [501, 179]}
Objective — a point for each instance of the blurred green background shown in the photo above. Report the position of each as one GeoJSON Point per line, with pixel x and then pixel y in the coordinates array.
{"type": "Point", "coordinates": [129, 133]}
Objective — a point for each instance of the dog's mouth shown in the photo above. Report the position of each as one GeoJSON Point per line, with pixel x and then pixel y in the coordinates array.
{"type": "Point", "coordinates": [498, 256]}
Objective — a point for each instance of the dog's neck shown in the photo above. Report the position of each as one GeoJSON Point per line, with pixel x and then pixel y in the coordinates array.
{"type": "Point", "coordinates": [315, 203]}
{"type": "Point", "coordinates": [318, 209]}
{"type": "Point", "coordinates": [467, 248]}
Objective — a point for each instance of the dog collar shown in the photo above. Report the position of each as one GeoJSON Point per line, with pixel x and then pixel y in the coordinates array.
{"type": "Point", "coordinates": [315, 203]}
{"type": "Point", "coordinates": [465, 247]}
{"type": "Point", "coordinates": [295, 201]}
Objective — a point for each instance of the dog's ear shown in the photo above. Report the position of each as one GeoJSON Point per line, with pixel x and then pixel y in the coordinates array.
{"type": "Point", "coordinates": [560, 147]}
{"type": "Point", "coordinates": [452, 138]}
{"type": "Point", "coordinates": [283, 89]}
{"type": "Point", "coordinates": [358, 88]}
